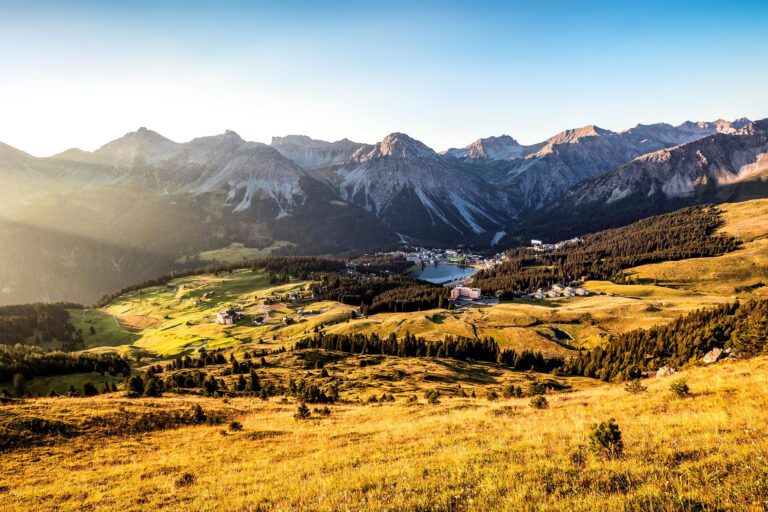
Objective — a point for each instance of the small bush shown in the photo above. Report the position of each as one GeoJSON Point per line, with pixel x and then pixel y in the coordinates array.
{"type": "Point", "coordinates": [605, 439]}
{"type": "Point", "coordinates": [492, 395]}
{"type": "Point", "coordinates": [635, 387]}
{"type": "Point", "coordinates": [185, 480]}
{"type": "Point", "coordinates": [236, 426]}
{"type": "Point", "coordinates": [325, 411]}
{"type": "Point", "coordinates": [578, 457]}
{"type": "Point", "coordinates": [511, 391]}
{"type": "Point", "coordinates": [679, 388]}
{"type": "Point", "coordinates": [303, 412]}
{"type": "Point", "coordinates": [539, 402]}
{"type": "Point", "coordinates": [412, 400]}
{"type": "Point", "coordinates": [432, 396]}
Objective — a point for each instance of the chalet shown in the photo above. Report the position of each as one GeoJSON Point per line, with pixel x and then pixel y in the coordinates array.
{"type": "Point", "coordinates": [557, 288]}
{"type": "Point", "coordinates": [465, 292]}
{"type": "Point", "coordinates": [228, 317]}
{"type": "Point", "coordinates": [580, 292]}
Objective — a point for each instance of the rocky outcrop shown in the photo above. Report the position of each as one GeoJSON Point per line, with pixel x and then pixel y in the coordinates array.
{"type": "Point", "coordinates": [683, 171]}
{"type": "Point", "coordinates": [309, 153]}
{"type": "Point", "coordinates": [420, 194]}
{"type": "Point", "coordinates": [503, 147]}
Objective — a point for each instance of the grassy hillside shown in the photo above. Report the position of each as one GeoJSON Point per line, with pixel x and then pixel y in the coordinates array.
{"type": "Point", "coordinates": [743, 272]}
{"type": "Point", "coordinates": [703, 452]}
{"type": "Point", "coordinates": [177, 319]}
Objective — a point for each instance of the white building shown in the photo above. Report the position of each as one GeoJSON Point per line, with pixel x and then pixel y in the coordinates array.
{"type": "Point", "coordinates": [465, 292]}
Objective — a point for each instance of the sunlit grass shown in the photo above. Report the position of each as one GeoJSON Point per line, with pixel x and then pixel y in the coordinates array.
{"type": "Point", "coordinates": [705, 452]}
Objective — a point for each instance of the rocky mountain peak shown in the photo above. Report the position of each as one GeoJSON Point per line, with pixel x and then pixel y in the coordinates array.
{"type": "Point", "coordinates": [576, 134]}
{"type": "Point", "coordinates": [310, 153]}
{"type": "Point", "coordinates": [402, 145]}
{"type": "Point", "coordinates": [502, 147]}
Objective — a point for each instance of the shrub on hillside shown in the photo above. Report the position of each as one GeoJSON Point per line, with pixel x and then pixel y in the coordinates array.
{"type": "Point", "coordinates": [635, 387]}
{"type": "Point", "coordinates": [539, 402]}
{"type": "Point", "coordinates": [680, 388]}
{"type": "Point", "coordinates": [432, 396]}
{"type": "Point", "coordinates": [303, 412]}
{"type": "Point", "coordinates": [605, 439]}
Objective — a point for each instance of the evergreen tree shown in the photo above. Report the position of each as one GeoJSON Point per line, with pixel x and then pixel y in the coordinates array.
{"type": "Point", "coordinates": [89, 389]}
{"type": "Point", "coordinates": [134, 386]}
{"type": "Point", "coordinates": [19, 385]}
{"type": "Point", "coordinates": [153, 387]}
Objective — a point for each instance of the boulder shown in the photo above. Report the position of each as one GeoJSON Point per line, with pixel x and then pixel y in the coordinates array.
{"type": "Point", "coordinates": [665, 371]}
{"type": "Point", "coordinates": [712, 356]}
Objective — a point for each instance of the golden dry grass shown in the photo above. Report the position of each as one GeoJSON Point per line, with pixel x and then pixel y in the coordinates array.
{"type": "Point", "coordinates": [707, 452]}
{"type": "Point", "coordinates": [742, 273]}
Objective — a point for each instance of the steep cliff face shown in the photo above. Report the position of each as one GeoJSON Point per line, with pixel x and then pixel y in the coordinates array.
{"type": "Point", "coordinates": [417, 192]}
{"type": "Point", "coordinates": [724, 167]}
{"type": "Point", "coordinates": [683, 171]}
{"type": "Point", "coordinates": [544, 171]}
{"type": "Point", "coordinates": [309, 153]}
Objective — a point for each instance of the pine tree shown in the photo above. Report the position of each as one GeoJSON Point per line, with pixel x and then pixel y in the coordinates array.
{"type": "Point", "coordinates": [19, 385]}
{"type": "Point", "coordinates": [135, 386]}
{"type": "Point", "coordinates": [89, 389]}
{"type": "Point", "coordinates": [153, 387]}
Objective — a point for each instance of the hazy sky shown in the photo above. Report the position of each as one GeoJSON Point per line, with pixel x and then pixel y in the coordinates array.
{"type": "Point", "coordinates": [78, 74]}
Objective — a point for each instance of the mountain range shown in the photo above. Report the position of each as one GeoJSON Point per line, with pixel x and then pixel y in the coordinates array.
{"type": "Point", "coordinates": [144, 204]}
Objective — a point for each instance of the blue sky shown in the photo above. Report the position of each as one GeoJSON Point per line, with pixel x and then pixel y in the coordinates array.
{"type": "Point", "coordinates": [83, 73]}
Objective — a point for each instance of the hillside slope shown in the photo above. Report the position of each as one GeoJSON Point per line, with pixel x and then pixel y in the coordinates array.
{"type": "Point", "coordinates": [695, 453]}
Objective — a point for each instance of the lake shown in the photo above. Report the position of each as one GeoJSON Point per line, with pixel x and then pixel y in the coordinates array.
{"type": "Point", "coordinates": [442, 273]}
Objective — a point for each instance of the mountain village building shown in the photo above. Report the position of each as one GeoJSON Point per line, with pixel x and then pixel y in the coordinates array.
{"type": "Point", "coordinates": [465, 292]}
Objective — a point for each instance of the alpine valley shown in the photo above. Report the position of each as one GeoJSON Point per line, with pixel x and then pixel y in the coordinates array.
{"type": "Point", "coordinates": [79, 224]}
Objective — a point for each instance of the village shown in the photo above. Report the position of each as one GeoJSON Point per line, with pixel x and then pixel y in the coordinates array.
{"type": "Point", "coordinates": [457, 256]}
{"type": "Point", "coordinates": [461, 295]}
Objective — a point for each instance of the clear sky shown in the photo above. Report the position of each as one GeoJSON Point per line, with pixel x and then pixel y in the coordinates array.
{"type": "Point", "coordinates": [78, 74]}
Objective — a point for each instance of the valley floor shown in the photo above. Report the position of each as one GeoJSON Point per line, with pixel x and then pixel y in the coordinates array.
{"type": "Point", "coordinates": [705, 452]}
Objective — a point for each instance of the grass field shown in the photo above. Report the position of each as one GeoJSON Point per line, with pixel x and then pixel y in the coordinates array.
{"type": "Point", "coordinates": [237, 252]}
{"type": "Point", "coordinates": [706, 452]}
{"type": "Point", "coordinates": [742, 273]}
{"type": "Point", "coordinates": [42, 386]}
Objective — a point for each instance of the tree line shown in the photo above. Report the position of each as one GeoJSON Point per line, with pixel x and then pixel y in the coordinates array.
{"type": "Point", "coordinates": [381, 263]}
{"type": "Point", "coordinates": [740, 326]}
{"type": "Point", "coordinates": [687, 233]}
{"type": "Point", "coordinates": [278, 267]}
{"type": "Point", "coordinates": [31, 362]}
{"type": "Point", "coordinates": [379, 293]}
{"type": "Point", "coordinates": [38, 322]}
{"type": "Point", "coordinates": [451, 347]}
